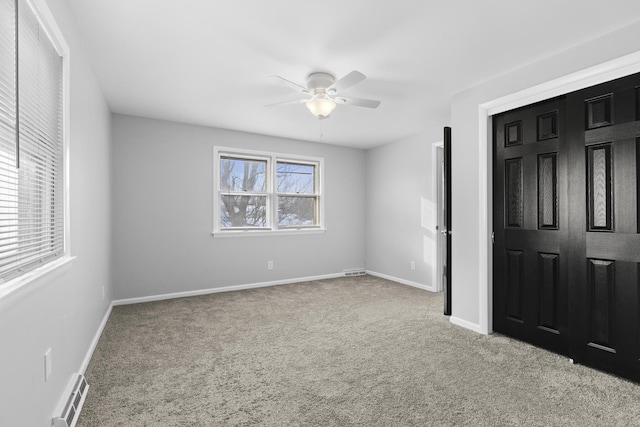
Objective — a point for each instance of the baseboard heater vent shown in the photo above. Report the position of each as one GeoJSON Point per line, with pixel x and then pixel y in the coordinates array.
{"type": "Point", "coordinates": [349, 273]}
{"type": "Point", "coordinates": [71, 410]}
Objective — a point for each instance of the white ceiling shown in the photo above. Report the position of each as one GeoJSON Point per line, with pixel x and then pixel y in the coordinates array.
{"type": "Point", "coordinates": [207, 62]}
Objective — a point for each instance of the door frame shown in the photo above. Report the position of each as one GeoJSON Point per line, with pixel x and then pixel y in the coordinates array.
{"type": "Point", "coordinates": [436, 180]}
{"type": "Point", "coordinates": [610, 70]}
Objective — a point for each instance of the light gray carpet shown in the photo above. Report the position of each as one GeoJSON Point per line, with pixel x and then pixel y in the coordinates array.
{"type": "Point", "coordinates": [350, 351]}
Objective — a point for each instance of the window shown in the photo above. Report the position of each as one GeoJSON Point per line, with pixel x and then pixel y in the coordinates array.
{"type": "Point", "coordinates": [266, 192]}
{"type": "Point", "coordinates": [32, 230]}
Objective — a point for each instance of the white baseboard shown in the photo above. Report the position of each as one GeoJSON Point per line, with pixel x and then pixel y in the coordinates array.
{"type": "Point", "coordinates": [161, 297]}
{"type": "Point", "coordinates": [105, 318]}
{"type": "Point", "coordinates": [94, 342]}
{"type": "Point", "coordinates": [455, 320]}
{"type": "Point", "coordinates": [467, 325]}
{"type": "Point", "coordinates": [403, 281]}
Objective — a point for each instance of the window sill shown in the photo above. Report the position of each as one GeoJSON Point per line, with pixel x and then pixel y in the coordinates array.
{"type": "Point", "coordinates": [20, 284]}
{"type": "Point", "coordinates": [261, 233]}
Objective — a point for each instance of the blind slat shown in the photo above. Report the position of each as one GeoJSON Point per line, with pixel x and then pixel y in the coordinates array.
{"type": "Point", "coordinates": [26, 251]}
{"type": "Point", "coordinates": [25, 246]}
{"type": "Point", "coordinates": [15, 268]}
{"type": "Point", "coordinates": [14, 234]}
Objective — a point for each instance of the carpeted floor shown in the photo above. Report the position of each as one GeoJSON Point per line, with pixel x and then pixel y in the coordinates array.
{"type": "Point", "coordinates": [350, 351]}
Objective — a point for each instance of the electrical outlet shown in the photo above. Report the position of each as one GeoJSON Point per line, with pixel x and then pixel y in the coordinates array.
{"type": "Point", "coordinates": [412, 265]}
{"type": "Point", "coordinates": [269, 265]}
{"type": "Point", "coordinates": [48, 365]}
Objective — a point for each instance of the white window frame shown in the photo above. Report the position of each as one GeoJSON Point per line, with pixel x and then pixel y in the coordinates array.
{"type": "Point", "coordinates": [271, 227]}
{"type": "Point", "coordinates": [32, 279]}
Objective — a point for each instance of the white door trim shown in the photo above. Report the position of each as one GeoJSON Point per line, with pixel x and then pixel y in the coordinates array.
{"type": "Point", "coordinates": [435, 181]}
{"type": "Point", "coordinates": [620, 67]}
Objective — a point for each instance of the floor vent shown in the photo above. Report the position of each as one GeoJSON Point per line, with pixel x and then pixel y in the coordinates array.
{"type": "Point", "coordinates": [72, 407]}
{"type": "Point", "coordinates": [349, 273]}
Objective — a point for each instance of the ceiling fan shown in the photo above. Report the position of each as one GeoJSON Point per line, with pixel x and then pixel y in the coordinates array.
{"type": "Point", "coordinates": [322, 90]}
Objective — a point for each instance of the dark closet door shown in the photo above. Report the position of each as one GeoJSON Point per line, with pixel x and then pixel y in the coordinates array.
{"type": "Point", "coordinates": [604, 280]}
{"type": "Point", "coordinates": [567, 230]}
{"type": "Point", "coordinates": [530, 225]}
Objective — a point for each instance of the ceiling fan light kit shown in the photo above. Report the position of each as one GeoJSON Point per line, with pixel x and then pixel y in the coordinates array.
{"type": "Point", "coordinates": [321, 87]}
{"type": "Point", "coordinates": [321, 106]}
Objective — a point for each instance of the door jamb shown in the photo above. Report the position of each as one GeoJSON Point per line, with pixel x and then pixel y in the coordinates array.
{"type": "Point", "coordinates": [610, 70]}
{"type": "Point", "coordinates": [435, 181]}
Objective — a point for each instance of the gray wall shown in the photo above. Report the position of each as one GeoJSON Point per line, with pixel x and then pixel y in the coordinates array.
{"type": "Point", "coordinates": [400, 209]}
{"type": "Point", "coordinates": [63, 311]}
{"type": "Point", "coordinates": [163, 196]}
{"type": "Point", "coordinates": [158, 208]}
{"type": "Point", "coordinates": [467, 269]}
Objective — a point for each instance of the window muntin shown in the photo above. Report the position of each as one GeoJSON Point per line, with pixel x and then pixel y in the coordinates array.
{"type": "Point", "coordinates": [259, 191]}
{"type": "Point", "coordinates": [32, 230]}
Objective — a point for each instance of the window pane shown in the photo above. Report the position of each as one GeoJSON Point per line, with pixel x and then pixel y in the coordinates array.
{"type": "Point", "coordinates": [238, 175]}
{"type": "Point", "coordinates": [292, 178]}
{"type": "Point", "coordinates": [243, 211]}
{"type": "Point", "coordinates": [296, 211]}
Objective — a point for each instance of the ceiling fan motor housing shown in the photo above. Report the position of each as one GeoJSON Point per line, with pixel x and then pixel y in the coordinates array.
{"type": "Point", "coordinates": [319, 82]}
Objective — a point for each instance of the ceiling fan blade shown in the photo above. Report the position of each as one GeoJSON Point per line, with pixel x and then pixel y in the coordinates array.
{"type": "Point", "coordinates": [291, 84]}
{"type": "Point", "coordinates": [358, 102]}
{"type": "Point", "coordinates": [293, 101]}
{"type": "Point", "coordinates": [347, 81]}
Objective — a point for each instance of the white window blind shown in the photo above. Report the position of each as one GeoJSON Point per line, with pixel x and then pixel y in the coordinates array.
{"type": "Point", "coordinates": [31, 143]}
